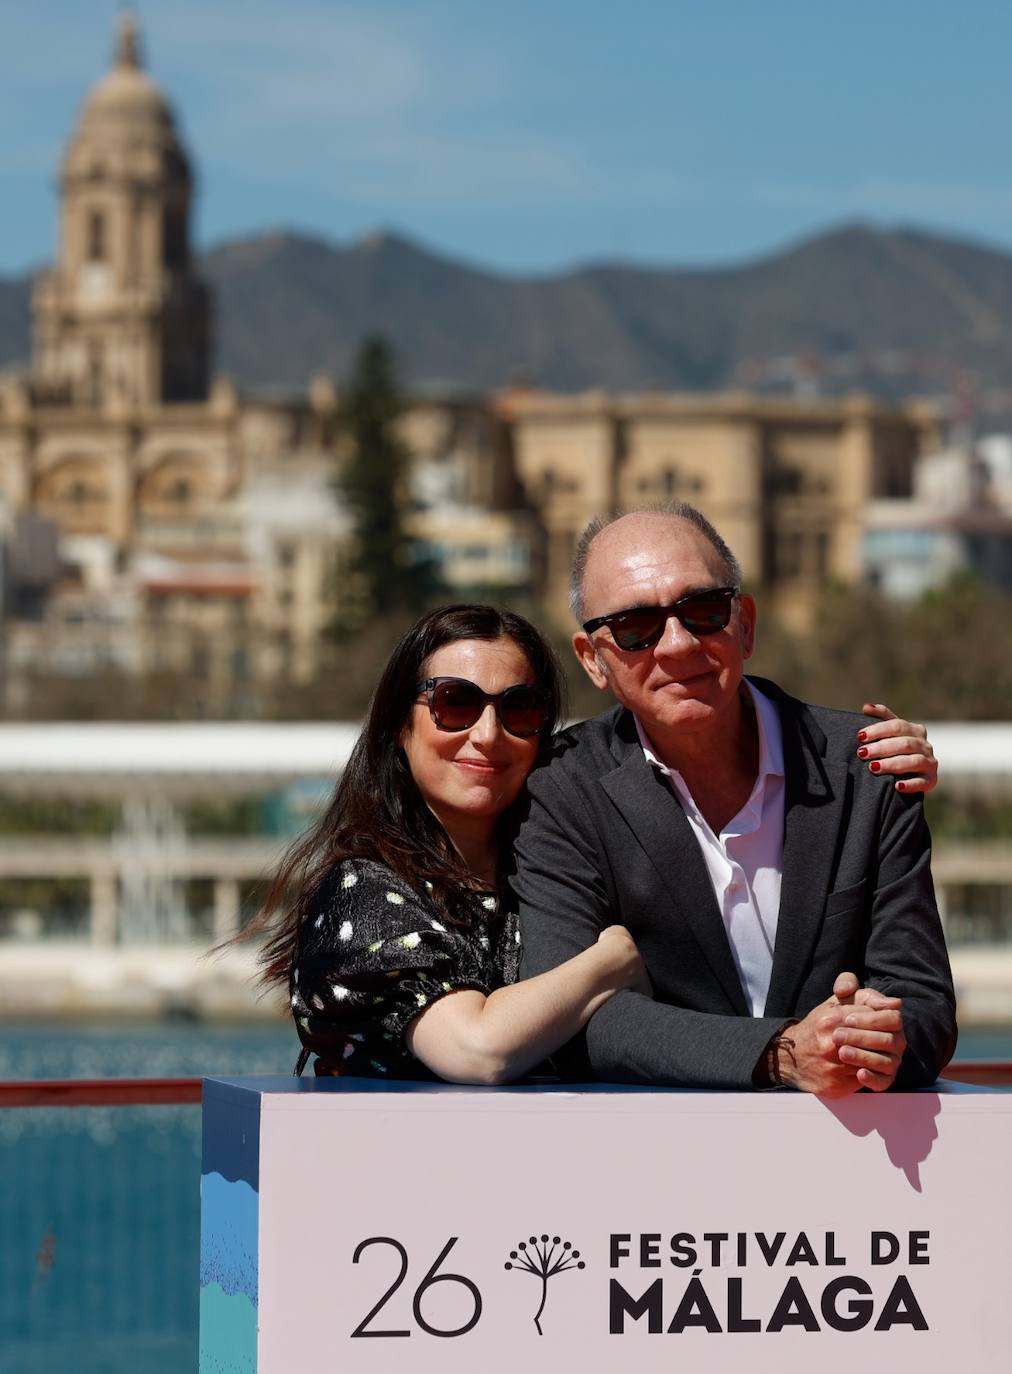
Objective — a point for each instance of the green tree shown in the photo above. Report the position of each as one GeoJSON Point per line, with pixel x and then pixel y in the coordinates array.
{"type": "Point", "coordinates": [385, 575]}
{"type": "Point", "coordinates": [946, 656]}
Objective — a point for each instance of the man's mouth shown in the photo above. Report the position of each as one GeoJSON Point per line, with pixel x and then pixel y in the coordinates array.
{"type": "Point", "coordinates": [691, 681]}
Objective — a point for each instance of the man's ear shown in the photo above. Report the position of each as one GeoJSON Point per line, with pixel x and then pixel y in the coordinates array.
{"type": "Point", "coordinates": [583, 647]}
{"type": "Point", "coordinates": [748, 614]}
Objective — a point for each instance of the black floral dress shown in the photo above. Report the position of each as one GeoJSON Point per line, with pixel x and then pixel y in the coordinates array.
{"type": "Point", "coordinates": [373, 953]}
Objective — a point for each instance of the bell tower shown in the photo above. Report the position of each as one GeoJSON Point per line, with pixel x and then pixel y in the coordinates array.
{"type": "Point", "coordinates": [122, 320]}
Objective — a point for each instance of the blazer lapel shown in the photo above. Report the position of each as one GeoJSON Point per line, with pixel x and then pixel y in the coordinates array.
{"type": "Point", "coordinates": [814, 797]}
{"type": "Point", "coordinates": [657, 821]}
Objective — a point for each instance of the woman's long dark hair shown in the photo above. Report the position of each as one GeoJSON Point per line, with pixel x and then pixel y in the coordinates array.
{"type": "Point", "coordinates": [377, 811]}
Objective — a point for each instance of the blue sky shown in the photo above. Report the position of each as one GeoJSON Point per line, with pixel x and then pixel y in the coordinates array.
{"type": "Point", "coordinates": [539, 134]}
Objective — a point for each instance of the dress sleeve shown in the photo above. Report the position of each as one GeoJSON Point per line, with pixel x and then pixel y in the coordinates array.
{"type": "Point", "coordinates": [375, 953]}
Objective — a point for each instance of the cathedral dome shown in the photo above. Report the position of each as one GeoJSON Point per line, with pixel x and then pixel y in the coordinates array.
{"type": "Point", "coordinates": [124, 111]}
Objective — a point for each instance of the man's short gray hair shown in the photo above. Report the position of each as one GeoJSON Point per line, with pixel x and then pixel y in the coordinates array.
{"type": "Point", "coordinates": [680, 510]}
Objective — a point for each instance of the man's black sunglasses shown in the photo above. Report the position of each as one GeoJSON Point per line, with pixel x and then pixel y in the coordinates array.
{"type": "Point", "coordinates": [702, 613]}
{"type": "Point", "coordinates": [456, 704]}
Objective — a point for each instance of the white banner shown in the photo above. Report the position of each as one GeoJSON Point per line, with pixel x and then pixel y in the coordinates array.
{"type": "Point", "coordinates": [524, 1230]}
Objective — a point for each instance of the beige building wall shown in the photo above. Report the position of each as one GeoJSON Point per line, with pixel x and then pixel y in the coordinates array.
{"type": "Point", "coordinates": [687, 449]}
{"type": "Point", "coordinates": [565, 451]}
{"type": "Point", "coordinates": [786, 482]}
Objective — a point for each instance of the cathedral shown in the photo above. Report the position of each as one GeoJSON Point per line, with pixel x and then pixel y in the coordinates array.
{"type": "Point", "coordinates": [177, 526]}
{"type": "Point", "coordinates": [119, 418]}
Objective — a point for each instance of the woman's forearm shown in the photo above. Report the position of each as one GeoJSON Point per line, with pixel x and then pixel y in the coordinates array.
{"type": "Point", "coordinates": [469, 1038]}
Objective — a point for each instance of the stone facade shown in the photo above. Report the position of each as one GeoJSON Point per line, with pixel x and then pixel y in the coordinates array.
{"type": "Point", "coordinates": [122, 321]}
{"type": "Point", "coordinates": [786, 482]}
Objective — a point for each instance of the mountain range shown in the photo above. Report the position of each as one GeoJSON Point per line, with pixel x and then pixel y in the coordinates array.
{"type": "Point", "coordinates": [892, 311]}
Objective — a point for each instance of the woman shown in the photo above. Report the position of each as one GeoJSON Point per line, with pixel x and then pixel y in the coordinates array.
{"type": "Point", "coordinates": [392, 901]}
{"type": "Point", "coordinates": [394, 894]}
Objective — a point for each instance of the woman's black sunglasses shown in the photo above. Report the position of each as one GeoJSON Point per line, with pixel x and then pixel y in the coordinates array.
{"type": "Point", "coordinates": [456, 704]}
{"type": "Point", "coordinates": [702, 613]}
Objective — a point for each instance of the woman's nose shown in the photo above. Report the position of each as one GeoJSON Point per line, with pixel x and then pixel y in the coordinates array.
{"type": "Point", "coordinates": [485, 729]}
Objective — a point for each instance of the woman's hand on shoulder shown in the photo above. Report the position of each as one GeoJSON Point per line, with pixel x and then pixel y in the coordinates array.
{"type": "Point", "coordinates": [625, 962]}
{"type": "Point", "coordinates": [890, 746]}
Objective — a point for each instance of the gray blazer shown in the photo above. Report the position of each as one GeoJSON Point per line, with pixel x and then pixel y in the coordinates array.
{"type": "Point", "coordinates": [606, 840]}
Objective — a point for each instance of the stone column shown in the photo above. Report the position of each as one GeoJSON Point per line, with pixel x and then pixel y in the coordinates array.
{"type": "Point", "coordinates": [103, 908]}
{"type": "Point", "coordinates": [226, 909]}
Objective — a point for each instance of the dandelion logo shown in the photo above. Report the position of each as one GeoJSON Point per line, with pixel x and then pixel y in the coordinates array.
{"type": "Point", "coordinates": [544, 1259]}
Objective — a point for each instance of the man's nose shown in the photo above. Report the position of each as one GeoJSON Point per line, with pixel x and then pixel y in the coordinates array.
{"type": "Point", "coordinates": [676, 639]}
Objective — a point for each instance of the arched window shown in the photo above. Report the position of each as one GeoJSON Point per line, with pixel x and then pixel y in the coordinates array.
{"type": "Point", "coordinates": [173, 487]}
{"type": "Point", "coordinates": [75, 493]}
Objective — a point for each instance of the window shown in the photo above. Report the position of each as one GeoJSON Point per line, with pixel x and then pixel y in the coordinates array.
{"type": "Point", "coordinates": [914, 545]}
{"type": "Point", "coordinates": [821, 539]}
{"type": "Point", "coordinates": [788, 481]}
{"type": "Point", "coordinates": [174, 238]}
{"type": "Point", "coordinates": [96, 389]}
{"type": "Point", "coordinates": [787, 553]}
{"type": "Point", "coordinates": [96, 236]}
{"type": "Point", "coordinates": [978, 914]}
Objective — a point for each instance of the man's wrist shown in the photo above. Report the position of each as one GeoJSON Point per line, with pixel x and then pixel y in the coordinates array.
{"type": "Point", "coordinates": [778, 1056]}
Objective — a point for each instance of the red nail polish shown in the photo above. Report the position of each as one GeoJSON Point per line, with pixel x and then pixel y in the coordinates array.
{"type": "Point", "coordinates": [901, 787]}
{"type": "Point", "coordinates": [862, 753]}
{"type": "Point", "coordinates": [874, 765]}
{"type": "Point", "coordinates": [862, 734]}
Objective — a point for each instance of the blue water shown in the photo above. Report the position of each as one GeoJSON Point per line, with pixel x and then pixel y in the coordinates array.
{"type": "Point", "coordinates": [100, 1209]}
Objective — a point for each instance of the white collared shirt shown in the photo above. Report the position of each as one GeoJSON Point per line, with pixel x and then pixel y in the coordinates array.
{"type": "Point", "coordinates": [745, 861]}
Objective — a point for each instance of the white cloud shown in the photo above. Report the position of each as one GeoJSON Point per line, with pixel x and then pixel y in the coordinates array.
{"type": "Point", "coordinates": [365, 104]}
{"type": "Point", "coordinates": [306, 61]}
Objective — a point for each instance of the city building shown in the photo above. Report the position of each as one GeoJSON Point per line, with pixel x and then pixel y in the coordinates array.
{"type": "Point", "coordinates": [958, 519]}
{"type": "Point", "coordinates": [785, 481]}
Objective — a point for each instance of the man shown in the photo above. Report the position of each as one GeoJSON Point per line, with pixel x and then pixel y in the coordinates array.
{"type": "Point", "coordinates": [780, 893]}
